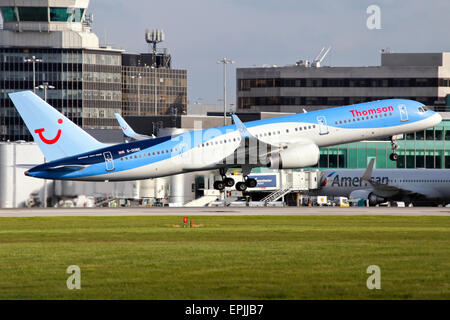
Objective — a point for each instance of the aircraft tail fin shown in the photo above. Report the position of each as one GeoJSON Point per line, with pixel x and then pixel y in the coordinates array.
{"type": "Point", "coordinates": [367, 175]}
{"type": "Point", "coordinates": [56, 135]}
{"type": "Point", "coordinates": [128, 131]}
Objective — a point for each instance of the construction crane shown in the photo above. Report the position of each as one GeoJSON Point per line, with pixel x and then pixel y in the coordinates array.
{"type": "Point", "coordinates": [318, 60]}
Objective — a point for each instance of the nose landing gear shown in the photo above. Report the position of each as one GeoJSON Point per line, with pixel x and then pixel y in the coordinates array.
{"type": "Point", "coordinates": [394, 146]}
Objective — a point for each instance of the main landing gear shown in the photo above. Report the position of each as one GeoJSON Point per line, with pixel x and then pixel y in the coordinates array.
{"type": "Point", "coordinates": [394, 146]}
{"type": "Point", "coordinates": [225, 182]}
{"type": "Point", "coordinates": [248, 183]}
{"type": "Point", "coordinates": [229, 182]}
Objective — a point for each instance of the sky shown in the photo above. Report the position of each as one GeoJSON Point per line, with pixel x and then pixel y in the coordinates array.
{"type": "Point", "coordinates": [269, 32]}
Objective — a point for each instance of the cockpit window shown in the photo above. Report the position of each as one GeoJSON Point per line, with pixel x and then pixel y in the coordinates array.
{"type": "Point", "coordinates": [422, 109]}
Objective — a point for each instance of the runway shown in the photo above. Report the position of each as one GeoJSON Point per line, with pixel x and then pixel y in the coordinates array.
{"type": "Point", "coordinates": [218, 211]}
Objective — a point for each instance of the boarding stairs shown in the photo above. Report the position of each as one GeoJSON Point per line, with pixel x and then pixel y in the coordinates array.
{"type": "Point", "coordinates": [202, 201]}
{"type": "Point", "coordinates": [274, 196]}
{"type": "Point", "coordinates": [103, 201]}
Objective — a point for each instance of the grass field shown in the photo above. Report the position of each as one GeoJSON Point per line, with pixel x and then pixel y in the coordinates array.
{"type": "Point", "coordinates": [225, 257]}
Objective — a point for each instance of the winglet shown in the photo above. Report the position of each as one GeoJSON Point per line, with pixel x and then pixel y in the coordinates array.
{"type": "Point", "coordinates": [367, 175]}
{"type": "Point", "coordinates": [241, 127]}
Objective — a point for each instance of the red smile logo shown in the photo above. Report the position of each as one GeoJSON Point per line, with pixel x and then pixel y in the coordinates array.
{"type": "Point", "coordinates": [49, 141]}
{"type": "Point", "coordinates": [124, 128]}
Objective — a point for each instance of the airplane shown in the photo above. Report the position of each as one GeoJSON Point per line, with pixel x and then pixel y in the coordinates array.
{"type": "Point", "coordinates": [416, 186]}
{"type": "Point", "coordinates": [286, 142]}
{"type": "Point", "coordinates": [128, 131]}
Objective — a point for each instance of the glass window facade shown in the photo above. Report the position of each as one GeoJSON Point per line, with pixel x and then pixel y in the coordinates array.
{"type": "Point", "coordinates": [257, 92]}
{"type": "Point", "coordinates": [66, 14]}
{"type": "Point", "coordinates": [423, 149]}
{"type": "Point", "coordinates": [248, 102]}
{"type": "Point", "coordinates": [161, 87]}
{"type": "Point", "coordinates": [87, 102]}
{"type": "Point", "coordinates": [9, 14]}
{"type": "Point", "coordinates": [248, 84]}
{"type": "Point", "coordinates": [33, 13]}
{"type": "Point", "coordinates": [30, 14]}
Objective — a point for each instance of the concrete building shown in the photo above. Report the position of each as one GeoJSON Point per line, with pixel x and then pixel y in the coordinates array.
{"type": "Point", "coordinates": [151, 87]}
{"type": "Point", "coordinates": [423, 77]}
{"type": "Point", "coordinates": [51, 42]}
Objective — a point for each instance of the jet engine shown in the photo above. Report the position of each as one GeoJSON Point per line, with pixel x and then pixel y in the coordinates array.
{"type": "Point", "coordinates": [367, 195]}
{"type": "Point", "coordinates": [295, 156]}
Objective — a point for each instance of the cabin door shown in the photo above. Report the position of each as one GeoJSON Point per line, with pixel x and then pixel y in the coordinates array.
{"type": "Point", "coordinates": [323, 128]}
{"type": "Point", "coordinates": [403, 113]}
{"type": "Point", "coordinates": [109, 161]}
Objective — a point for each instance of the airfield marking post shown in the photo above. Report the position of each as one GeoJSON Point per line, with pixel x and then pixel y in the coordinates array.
{"type": "Point", "coordinates": [185, 220]}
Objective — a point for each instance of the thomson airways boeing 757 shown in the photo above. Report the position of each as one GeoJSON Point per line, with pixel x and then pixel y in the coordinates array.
{"type": "Point", "coordinates": [286, 142]}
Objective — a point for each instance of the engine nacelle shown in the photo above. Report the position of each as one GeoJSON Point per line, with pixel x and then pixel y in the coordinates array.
{"type": "Point", "coordinates": [367, 195]}
{"type": "Point", "coordinates": [295, 156]}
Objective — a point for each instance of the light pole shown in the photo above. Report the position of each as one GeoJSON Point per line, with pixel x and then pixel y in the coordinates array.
{"type": "Point", "coordinates": [138, 91]}
{"type": "Point", "coordinates": [33, 60]}
{"type": "Point", "coordinates": [225, 61]}
{"type": "Point", "coordinates": [155, 88]}
{"type": "Point", "coordinates": [45, 86]}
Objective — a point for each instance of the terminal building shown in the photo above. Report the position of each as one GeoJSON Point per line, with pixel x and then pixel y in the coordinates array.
{"type": "Point", "coordinates": [423, 77]}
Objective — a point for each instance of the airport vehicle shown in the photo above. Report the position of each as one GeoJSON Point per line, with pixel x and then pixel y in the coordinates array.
{"type": "Point", "coordinates": [291, 141]}
{"type": "Point", "coordinates": [341, 202]}
{"type": "Point", "coordinates": [416, 186]}
{"type": "Point", "coordinates": [322, 201]}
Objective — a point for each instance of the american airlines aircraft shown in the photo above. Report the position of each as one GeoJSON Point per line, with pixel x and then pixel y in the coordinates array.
{"type": "Point", "coordinates": [415, 186]}
{"type": "Point", "coordinates": [286, 142]}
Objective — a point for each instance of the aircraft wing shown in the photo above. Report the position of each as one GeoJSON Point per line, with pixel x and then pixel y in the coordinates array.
{"type": "Point", "coordinates": [257, 152]}
{"type": "Point", "coordinates": [251, 145]}
{"type": "Point", "coordinates": [386, 190]}
{"type": "Point", "coordinates": [128, 131]}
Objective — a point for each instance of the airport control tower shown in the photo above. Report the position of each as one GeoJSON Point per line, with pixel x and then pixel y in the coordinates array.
{"type": "Point", "coordinates": [50, 43]}
{"type": "Point", "coordinates": [49, 23]}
